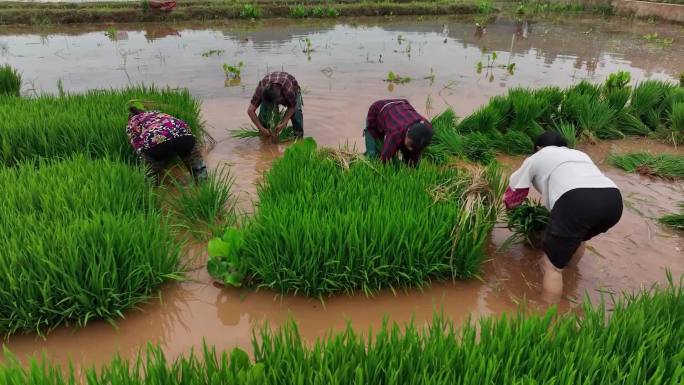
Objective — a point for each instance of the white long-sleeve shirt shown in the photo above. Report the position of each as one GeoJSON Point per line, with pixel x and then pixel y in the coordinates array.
{"type": "Point", "coordinates": [553, 171]}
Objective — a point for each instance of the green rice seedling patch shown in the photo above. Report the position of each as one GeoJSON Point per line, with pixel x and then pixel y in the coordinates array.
{"type": "Point", "coordinates": [329, 221]}
{"type": "Point", "coordinates": [10, 81]}
{"type": "Point", "coordinates": [639, 342]}
{"type": "Point", "coordinates": [82, 239]}
{"type": "Point", "coordinates": [675, 221]}
{"type": "Point", "coordinates": [202, 209]}
{"type": "Point", "coordinates": [662, 165]}
{"type": "Point", "coordinates": [92, 123]}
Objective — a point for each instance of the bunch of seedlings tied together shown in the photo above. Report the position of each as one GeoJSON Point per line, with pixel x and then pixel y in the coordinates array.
{"type": "Point", "coordinates": [92, 123]}
{"type": "Point", "coordinates": [669, 166]}
{"type": "Point", "coordinates": [612, 110]}
{"type": "Point", "coordinates": [641, 342]}
{"type": "Point", "coordinates": [82, 239]}
{"type": "Point", "coordinates": [330, 221]}
{"type": "Point", "coordinates": [528, 223]}
{"type": "Point", "coordinates": [273, 117]}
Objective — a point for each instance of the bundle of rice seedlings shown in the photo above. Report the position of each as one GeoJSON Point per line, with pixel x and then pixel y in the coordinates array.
{"type": "Point", "coordinates": [676, 117]}
{"type": "Point", "coordinates": [82, 239]}
{"type": "Point", "coordinates": [346, 235]}
{"type": "Point", "coordinates": [550, 99]}
{"type": "Point", "coordinates": [502, 105]}
{"type": "Point", "coordinates": [516, 142]}
{"type": "Point", "coordinates": [630, 125]}
{"type": "Point", "coordinates": [617, 99]}
{"type": "Point", "coordinates": [647, 98]}
{"type": "Point", "coordinates": [528, 223]}
{"type": "Point", "coordinates": [249, 132]}
{"type": "Point", "coordinates": [662, 165]}
{"type": "Point", "coordinates": [485, 119]}
{"type": "Point", "coordinates": [479, 147]}
{"type": "Point", "coordinates": [92, 123]}
{"type": "Point", "coordinates": [594, 117]}
{"type": "Point", "coordinates": [585, 88]}
{"type": "Point", "coordinates": [676, 221]}
{"type": "Point", "coordinates": [446, 141]}
{"type": "Point", "coordinates": [527, 108]}
{"type": "Point", "coordinates": [617, 81]}
{"type": "Point", "coordinates": [10, 81]}
{"type": "Point", "coordinates": [630, 340]}
{"type": "Point", "coordinates": [569, 133]}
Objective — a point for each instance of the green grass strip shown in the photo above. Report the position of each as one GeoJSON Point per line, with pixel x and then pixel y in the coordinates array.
{"type": "Point", "coordinates": [82, 239]}
{"type": "Point", "coordinates": [329, 221]}
{"type": "Point", "coordinates": [92, 123]}
{"type": "Point", "coordinates": [641, 342]}
{"type": "Point", "coordinates": [662, 165]}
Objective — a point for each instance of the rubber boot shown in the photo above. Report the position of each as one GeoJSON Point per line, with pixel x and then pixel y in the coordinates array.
{"type": "Point", "coordinates": [552, 284]}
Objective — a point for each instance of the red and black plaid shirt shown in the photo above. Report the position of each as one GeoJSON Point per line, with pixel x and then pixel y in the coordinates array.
{"type": "Point", "coordinates": [389, 120]}
{"type": "Point", "coordinates": [288, 88]}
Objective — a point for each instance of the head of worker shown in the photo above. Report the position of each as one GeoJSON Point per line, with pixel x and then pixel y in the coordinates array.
{"type": "Point", "coordinates": [549, 138]}
{"type": "Point", "coordinates": [272, 95]}
{"type": "Point", "coordinates": [418, 136]}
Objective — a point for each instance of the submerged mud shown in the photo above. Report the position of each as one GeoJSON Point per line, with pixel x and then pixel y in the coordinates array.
{"type": "Point", "coordinates": [340, 79]}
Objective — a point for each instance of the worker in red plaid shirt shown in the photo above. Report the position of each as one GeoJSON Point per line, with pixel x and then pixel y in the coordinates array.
{"type": "Point", "coordinates": [393, 126]}
{"type": "Point", "coordinates": [276, 89]}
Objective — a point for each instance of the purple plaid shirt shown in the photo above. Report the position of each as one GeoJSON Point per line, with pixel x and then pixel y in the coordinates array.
{"type": "Point", "coordinates": [289, 88]}
{"type": "Point", "coordinates": [389, 120]}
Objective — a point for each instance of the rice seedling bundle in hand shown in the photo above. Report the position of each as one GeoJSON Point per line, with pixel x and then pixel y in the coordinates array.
{"type": "Point", "coordinates": [676, 221]}
{"type": "Point", "coordinates": [10, 81]}
{"type": "Point", "coordinates": [528, 223]}
{"type": "Point", "coordinates": [92, 123]}
{"type": "Point", "coordinates": [662, 165]}
{"type": "Point", "coordinates": [330, 221]}
{"type": "Point", "coordinates": [273, 117]}
{"type": "Point", "coordinates": [82, 239]}
{"type": "Point", "coordinates": [639, 342]}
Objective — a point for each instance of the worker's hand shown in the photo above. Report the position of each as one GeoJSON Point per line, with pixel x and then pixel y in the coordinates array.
{"type": "Point", "coordinates": [279, 128]}
{"type": "Point", "coordinates": [264, 132]}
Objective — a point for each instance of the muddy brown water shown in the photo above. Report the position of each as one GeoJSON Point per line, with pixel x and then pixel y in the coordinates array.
{"type": "Point", "coordinates": [340, 79]}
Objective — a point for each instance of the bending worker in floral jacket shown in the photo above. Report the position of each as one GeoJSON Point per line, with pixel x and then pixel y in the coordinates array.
{"type": "Point", "coordinates": [158, 138]}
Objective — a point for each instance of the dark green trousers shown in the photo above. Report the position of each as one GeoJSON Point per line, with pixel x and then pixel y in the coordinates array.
{"type": "Point", "coordinates": [266, 116]}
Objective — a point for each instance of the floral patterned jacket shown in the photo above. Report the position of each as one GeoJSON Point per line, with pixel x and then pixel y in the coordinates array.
{"type": "Point", "coordinates": [148, 129]}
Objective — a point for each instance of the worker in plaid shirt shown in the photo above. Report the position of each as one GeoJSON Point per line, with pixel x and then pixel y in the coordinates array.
{"type": "Point", "coordinates": [393, 126]}
{"type": "Point", "coordinates": [275, 89]}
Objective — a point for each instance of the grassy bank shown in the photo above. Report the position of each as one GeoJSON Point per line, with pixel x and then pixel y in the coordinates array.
{"type": "Point", "coordinates": [583, 112]}
{"type": "Point", "coordinates": [82, 239]}
{"type": "Point", "coordinates": [330, 221]}
{"type": "Point", "coordinates": [642, 342]}
{"type": "Point", "coordinates": [51, 13]}
{"type": "Point", "coordinates": [92, 123]}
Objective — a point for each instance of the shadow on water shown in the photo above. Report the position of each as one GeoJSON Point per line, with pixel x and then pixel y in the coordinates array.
{"type": "Point", "coordinates": [340, 80]}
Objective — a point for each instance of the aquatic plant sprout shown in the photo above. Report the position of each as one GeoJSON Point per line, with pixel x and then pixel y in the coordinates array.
{"type": "Point", "coordinates": [329, 221]}
{"type": "Point", "coordinates": [638, 342]}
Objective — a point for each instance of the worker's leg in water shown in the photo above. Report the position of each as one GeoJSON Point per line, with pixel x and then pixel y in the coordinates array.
{"type": "Point", "coordinates": [558, 251]}
{"type": "Point", "coordinates": [190, 153]}
{"type": "Point", "coordinates": [298, 118]}
{"type": "Point", "coordinates": [373, 146]}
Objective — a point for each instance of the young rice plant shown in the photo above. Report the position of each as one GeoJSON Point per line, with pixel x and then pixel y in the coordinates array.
{"type": "Point", "coordinates": [662, 165]}
{"type": "Point", "coordinates": [639, 343]}
{"type": "Point", "coordinates": [10, 81]}
{"type": "Point", "coordinates": [82, 239]}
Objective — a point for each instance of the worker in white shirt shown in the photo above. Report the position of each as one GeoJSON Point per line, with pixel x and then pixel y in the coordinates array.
{"type": "Point", "coordinates": [583, 203]}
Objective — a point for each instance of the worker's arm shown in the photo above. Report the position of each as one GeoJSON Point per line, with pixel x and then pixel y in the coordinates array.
{"type": "Point", "coordinates": [391, 146]}
{"type": "Point", "coordinates": [514, 198]}
{"type": "Point", "coordinates": [288, 115]}
{"type": "Point", "coordinates": [519, 184]}
{"type": "Point", "coordinates": [251, 111]}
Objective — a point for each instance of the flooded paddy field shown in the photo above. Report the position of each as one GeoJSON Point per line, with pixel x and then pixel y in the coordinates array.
{"type": "Point", "coordinates": [341, 77]}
